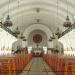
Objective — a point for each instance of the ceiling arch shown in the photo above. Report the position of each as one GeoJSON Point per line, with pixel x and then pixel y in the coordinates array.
{"type": "Point", "coordinates": [33, 5]}
{"type": "Point", "coordinates": [32, 18]}
{"type": "Point", "coordinates": [28, 3]}
{"type": "Point", "coordinates": [47, 14]}
{"type": "Point", "coordinates": [37, 27]}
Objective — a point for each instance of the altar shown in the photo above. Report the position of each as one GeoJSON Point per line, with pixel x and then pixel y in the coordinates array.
{"type": "Point", "coordinates": [37, 53]}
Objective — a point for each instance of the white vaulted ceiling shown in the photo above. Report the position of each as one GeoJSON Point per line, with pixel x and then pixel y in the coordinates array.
{"type": "Point", "coordinates": [26, 14]}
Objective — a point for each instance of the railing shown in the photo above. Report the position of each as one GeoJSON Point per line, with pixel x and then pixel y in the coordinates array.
{"type": "Point", "coordinates": [7, 29]}
{"type": "Point", "coordinates": [67, 30]}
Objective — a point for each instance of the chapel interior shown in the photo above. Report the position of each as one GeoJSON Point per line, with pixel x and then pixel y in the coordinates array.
{"type": "Point", "coordinates": [37, 37]}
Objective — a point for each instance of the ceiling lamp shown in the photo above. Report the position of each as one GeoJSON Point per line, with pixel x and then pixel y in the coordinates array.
{"type": "Point", "coordinates": [58, 32]}
{"type": "Point", "coordinates": [67, 23]}
{"type": "Point", "coordinates": [37, 10]}
{"type": "Point", "coordinates": [22, 37]}
{"type": "Point", "coordinates": [53, 36]}
{"type": "Point", "coordinates": [50, 39]}
{"type": "Point", "coordinates": [17, 32]}
{"type": "Point", "coordinates": [8, 22]}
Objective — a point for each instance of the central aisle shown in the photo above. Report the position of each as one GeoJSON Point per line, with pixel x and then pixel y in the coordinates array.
{"type": "Point", "coordinates": [37, 67]}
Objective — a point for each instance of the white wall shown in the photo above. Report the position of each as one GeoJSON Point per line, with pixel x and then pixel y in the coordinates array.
{"type": "Point", "coordinates": [24, 44]}
{"type": "Point", "coordinates": [16, 44]}
{"type": "Point", "coordinates": [50, 44]}
{"type": "Point", "coordinates": [68, 42]}
{"type": "Point", "coordinates": [19, 43]}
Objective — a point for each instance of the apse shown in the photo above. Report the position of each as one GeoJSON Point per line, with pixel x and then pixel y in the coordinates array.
{"type": "Point", "coordinates": [37, 38]}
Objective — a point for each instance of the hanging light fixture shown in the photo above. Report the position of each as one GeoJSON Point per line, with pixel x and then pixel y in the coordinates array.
{"type": "Point", "coordinates": [67, 23]}
{"type": "Point", "coordinates": [53, 36]}
{"type": "Point", "coordinates": [17, 32]}
{"type": "Point", "coordinates": [8, 22]}
{"type": "Point", "coordinates": [58, 32]}
{"type": "Point", "coordinates": [50, 39]}
{"type": "Point", "coordinates": [22, 37]}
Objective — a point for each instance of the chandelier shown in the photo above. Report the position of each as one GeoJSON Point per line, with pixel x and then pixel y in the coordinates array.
{"type": "Point", "coordinates": [17, 32]}
{"type": "Point", "coordinates": [8, 22]}
{"type": "Point", "coordinates": [22, 37]}
{"type": "Point", "coordinates": [50, 39]}
{"type": "Point", "coordinates": [53, 36]}
{"type": "Point", "coordinates": [67, 23]}
{"type": "Point", "coordinates": [58, 33]}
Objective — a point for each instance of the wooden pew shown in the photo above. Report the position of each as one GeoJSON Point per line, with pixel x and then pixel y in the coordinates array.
{"type": "Point", "coordinates": [14, 64]}
{"type": "Point", "coordinates": [61, 65]}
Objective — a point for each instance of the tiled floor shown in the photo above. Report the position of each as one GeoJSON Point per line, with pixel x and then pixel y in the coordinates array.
{"type": "Point", "coordinates": [37, 67]}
